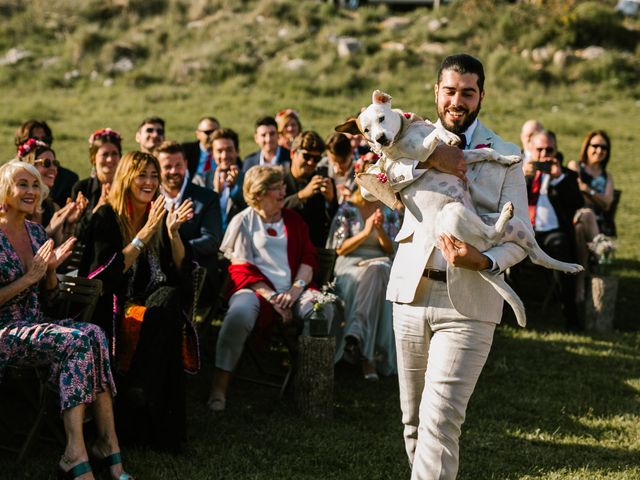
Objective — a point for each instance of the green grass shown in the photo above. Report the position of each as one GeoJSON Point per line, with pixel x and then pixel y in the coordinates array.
{"type": "Point", "coordinates": [548, 405]}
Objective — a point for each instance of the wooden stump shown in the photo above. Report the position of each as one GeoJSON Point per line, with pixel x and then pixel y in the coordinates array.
{"type": "Point", "coordinates": [600, 305]}
{"type": "Point", "coordinates": [314, 376]}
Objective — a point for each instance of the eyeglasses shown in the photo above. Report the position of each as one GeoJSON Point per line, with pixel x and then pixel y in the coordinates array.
{"type": "Point", "coordinates": [276, 188]}
{"type": "Point", "coordinates": [600, 146]}
{"type": "Point", "coordinates": [46, 163]}
{"type": "Point", "coordinates": [159, 131]}
{"type": "Point", "coordinates": [545, 150]}
{"type": "Point", "coordinates": [310, 156]}
{"type": "Point", "coordinates": [208, 132]}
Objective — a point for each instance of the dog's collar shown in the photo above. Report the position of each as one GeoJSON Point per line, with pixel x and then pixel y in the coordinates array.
{"type": "Point", "coordinates": [406, 119]}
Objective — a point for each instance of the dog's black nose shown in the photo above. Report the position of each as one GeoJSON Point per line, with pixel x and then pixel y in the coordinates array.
{"type": "Point", "coordinates": [382, 139]}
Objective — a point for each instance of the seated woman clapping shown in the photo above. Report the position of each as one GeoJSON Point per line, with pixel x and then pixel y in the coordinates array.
{"type": "Point", "coordinates": [76, 353]}
{"type": "Point", "coordinates": [133, 245]}
{"type": "Point", "coordinates": [272, 263]}
{"type": "Point", "coordinates": [362, 233]}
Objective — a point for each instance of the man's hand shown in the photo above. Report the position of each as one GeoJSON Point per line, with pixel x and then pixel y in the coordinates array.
{"type": "Point", "coordinates": [461, 254]}
{"type": "Point", "coordinates": [447, 159]}
{"type": "Point", "coordinates": [314, 186]}
{"type": "Point", "coordinates": [327, 190]}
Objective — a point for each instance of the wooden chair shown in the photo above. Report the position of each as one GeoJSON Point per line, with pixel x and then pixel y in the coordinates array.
{"type": "Point", "coordinates": [77, 298]}
{"type": "Point", "coordinates": [285, 338]}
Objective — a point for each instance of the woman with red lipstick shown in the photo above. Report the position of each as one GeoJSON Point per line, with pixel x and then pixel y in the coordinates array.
{"type": "Point", "coordinates": [133, 245]}
{"type": "Point", "coordinates": [76, 353]}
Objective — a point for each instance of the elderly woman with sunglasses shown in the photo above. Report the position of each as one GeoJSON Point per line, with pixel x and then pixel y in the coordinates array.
{"type": "Point", "coordinates": [76, 353]}
{"type": "Point", "coordinates": [272, 264]}
{"type": "Point", "coordinates": [58, 222]}
{"type": "Point", "coordinates": [596, 185]}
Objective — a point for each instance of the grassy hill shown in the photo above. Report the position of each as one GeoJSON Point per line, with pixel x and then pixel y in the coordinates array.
{"type": "Point", "coordinates": [549, 405]}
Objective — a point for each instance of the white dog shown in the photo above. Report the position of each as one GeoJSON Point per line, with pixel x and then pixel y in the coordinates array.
{"type": "Point", "coordinates": [401, 138]}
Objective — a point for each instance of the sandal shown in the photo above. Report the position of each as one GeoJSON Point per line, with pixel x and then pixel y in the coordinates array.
{"type": "Point", "coordinates": [74, 472]}
{"type": "Point", "coordinates": [109, 461]}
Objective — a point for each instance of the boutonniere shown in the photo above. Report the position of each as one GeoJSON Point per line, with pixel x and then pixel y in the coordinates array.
{"type": "Point", "coordinates": [408, 115]}
{"type": "Point", "coordinates": [482, 145]}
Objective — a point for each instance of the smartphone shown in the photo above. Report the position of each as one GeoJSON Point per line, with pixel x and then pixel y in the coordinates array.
{"type": "Point", "coordinates": [544, 167]}
{"type": "Point", "coordinates": [322, 171]}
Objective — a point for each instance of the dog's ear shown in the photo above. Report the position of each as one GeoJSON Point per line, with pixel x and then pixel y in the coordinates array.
{"type": "Point", "coordinates": [380, 97]}
{"type": "Point", "coordinates": [350, 126]}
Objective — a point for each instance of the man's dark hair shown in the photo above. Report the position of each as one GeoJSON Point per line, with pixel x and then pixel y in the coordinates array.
{"type": "Point", "coordinates": [338, 144]}
{"type": "Point", "coordinates": [268, 121]}
{"type": "Point", "coordinates": [170, 147]}
{"type": "Point", "coordinates": [225, 133]}
{"type": "Point", "coordinates": [463, 63]}
{"type": "Point", "coordinates": [151, 120]}
{"type": "Point", "coordinates": [309, 141]}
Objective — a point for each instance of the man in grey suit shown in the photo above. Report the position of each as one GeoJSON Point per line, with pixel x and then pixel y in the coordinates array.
{"type": "Point", "coordinates": [445, 314]}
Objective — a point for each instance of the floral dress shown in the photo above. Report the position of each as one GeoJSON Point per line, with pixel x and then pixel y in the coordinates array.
{"type": "Point", "coordinates": [77, 353]}
{"type": "Point", "coordinates": [361, 282]}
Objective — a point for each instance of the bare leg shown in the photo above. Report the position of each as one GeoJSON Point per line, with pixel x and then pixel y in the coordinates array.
{"type": "Point", "coordinates": [107, 442]}
{"type": "Point", "coordinates": [220, 384]}
{"type": "Point", "coordinates": [75, 451]}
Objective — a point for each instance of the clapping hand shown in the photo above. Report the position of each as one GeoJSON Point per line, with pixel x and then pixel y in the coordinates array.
{"type": "Point", "coordinates": [60, 254]}
{"type": "Point", "coordinates": [154, 220]}
{"type": "Point", "coordinates": [81, 203]}
{"type": "Point", "coordinates": [178, 216]}
{"type": "Point", "coordinates": [39, 263]}
{"type": "Point", "coordinates": [104, 196]}
{"type": "Point", "coordinates": [60, 217]}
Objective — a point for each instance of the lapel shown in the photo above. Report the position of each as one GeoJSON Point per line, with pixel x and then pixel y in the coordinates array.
{"type": "Point", "coordinates": [481, 136]}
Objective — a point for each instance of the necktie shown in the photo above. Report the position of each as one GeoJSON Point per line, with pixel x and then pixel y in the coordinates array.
{"type": "Point", "coordinates": [463, 142]}
{"type": "Point", "coordinates": [207, 164]}
{"type": "Point", "coordinates": [534, 194]}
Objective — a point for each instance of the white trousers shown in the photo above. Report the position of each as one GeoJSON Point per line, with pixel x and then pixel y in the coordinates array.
{"type": "Point", "coordinates": [440, 356]}
{"type": "Point", "coordinates": [244, 308]}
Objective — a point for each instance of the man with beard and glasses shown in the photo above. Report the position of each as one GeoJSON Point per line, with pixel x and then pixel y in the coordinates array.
{"type": "Point", "coordinates": [444, 312]}
{"type": "Point", "coordinates": [203, 232]}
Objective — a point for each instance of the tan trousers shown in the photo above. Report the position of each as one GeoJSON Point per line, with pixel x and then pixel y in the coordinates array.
{"type": "Point", "coordinates": [440, 356]}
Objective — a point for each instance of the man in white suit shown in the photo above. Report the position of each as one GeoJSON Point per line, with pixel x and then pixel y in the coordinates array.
{"type": "Point", "coordinates": [445, 314]}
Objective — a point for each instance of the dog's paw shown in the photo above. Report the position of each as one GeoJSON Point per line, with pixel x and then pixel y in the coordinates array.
{"type": "Point", "coordinates": [512, 159]}
{"type": "Point", "coordinates": [507, 210]}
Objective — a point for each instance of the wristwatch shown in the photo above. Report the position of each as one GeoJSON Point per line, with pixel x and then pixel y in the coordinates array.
{"type": "Point", "coordinates": [300, 283]}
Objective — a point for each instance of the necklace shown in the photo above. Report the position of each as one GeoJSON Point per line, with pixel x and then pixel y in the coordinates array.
{"type": "Point", "coordinates": [273, 227]}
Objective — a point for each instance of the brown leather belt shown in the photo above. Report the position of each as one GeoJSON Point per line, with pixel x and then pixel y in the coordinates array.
{"type": "Point", "coordinates": [437, 275]}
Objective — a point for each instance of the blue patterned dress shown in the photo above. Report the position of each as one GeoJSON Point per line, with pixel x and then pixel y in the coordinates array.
{"type": "Point", "coordinates": [76, 352]}
{"type": "Point", "coordinates": [361, 282]}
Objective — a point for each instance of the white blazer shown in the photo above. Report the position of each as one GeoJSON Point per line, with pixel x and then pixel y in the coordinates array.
{"type": "Point", "coordinates": [491, 186]}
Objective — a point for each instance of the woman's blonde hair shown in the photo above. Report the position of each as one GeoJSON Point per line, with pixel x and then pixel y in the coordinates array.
{"type": "Point", "coordinates": [129, 167]}
{"type": "Point", "coordinates": [257, 181]}
{"type": "Point", "coordinates": [8, 173]}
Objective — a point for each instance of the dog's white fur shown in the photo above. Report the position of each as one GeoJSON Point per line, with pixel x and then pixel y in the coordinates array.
{"type": "Point", "coordinates": [404, 138]}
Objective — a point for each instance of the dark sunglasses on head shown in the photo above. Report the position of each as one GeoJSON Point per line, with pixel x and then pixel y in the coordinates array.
{"type": "Point", "coordinates": [46, 163]}
{"type": "Point", "coordinates": [599, 145]}
{"type": "Point", "coordinates": [310, 156]}
{"type": "Point", "coordinates": [208, 132]}
{"type": "Point", "coordinates": [159, 131]}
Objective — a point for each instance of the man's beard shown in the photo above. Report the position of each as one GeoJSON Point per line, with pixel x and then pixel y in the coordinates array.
{"type": "Point", "coordinates": [467, 120]}
{"type": "Point", "coordinates": [175, 181]}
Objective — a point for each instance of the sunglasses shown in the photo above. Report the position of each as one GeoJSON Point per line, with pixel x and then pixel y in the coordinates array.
{"type": "Point", "coordinates": [599, 145]}
{"type": "Point", "coordinates": [208, 132]}
{"type": "Point", "coordinates": [310, 156]}
{"type": "Point", "coordinates": [46, 163]}
{"type": "Point", "coordinates": [545, 150]}
{"type": "Point", "coordinates": [159, 131]}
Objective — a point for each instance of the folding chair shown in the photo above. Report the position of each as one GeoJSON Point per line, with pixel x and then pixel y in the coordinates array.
{"type": "Point", "coordinates": [77, 298]}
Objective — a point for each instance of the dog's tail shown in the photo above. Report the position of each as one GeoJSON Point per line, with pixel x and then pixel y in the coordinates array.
{"type": "Point", "coordinates": [540, 257]}
{"type": "Point", "coordinates": [508, 294]}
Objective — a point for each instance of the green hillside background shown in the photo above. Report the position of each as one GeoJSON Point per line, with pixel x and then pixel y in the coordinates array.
{"type": "Point", "coordinates": [549, 405]}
